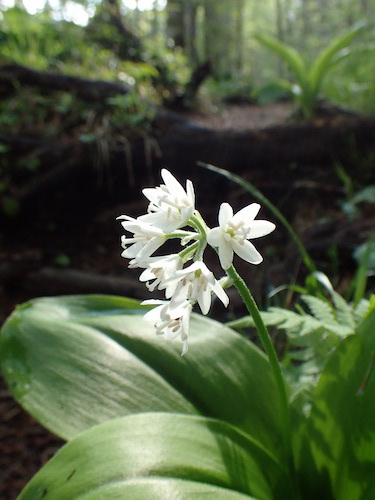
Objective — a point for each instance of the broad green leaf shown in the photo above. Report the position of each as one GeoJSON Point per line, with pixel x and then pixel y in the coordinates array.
{"type": "Point", "coordinates": [288, 54]}
{"type": "Point", "coordinates": [76, 361]}
{"type": "Point", "coordinates": [326, 59]}
{"type": "Point", "coordinates": [161, 488]}
{"type": "Point", "coordinates": [150, 452]}
{"type": "Point", "coordinates": [336, 453]}
{"type": "Point", "coordinates": [70, 376]}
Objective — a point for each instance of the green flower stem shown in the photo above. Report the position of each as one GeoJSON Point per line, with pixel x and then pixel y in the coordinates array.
{"type": "Point", "coordinates": [189, 250]}
{"type": "Point", "coordinates": [197, 222]}
{"type": "Point", "coordinates": [178, 234]}
{"type": "Point", "coordinates": [270, 351]}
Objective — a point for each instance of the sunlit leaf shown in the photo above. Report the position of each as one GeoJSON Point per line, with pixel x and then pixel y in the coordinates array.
{"type": "Point", "coordinates": [77, 361]}
{"type": "Point", "coordinates": [150, 451]}
{"type": "Point", "coordinates": [336, 451]}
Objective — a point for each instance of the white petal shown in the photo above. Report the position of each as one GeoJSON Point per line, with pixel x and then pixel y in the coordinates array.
{"type": "Point", "coordinates": [180, 294]}
{"type": "Point", "coordinates": [259, 228]}
{"type": "Point", "coordinates": [207, 273]}
{"type": "Point", "coordinates": [132, 251]}
{"type": "Point", "coordinates": [151, 194]}
{"type": "Point", "coordinates": [150, 247]}
{"type": "Point", "coordinates": [169, 288]}
{"type": "Point", "coordinates": [127, 241]}
{"type": "Point", "coordinates": [204, 301]}
{"type": "Point", "coordinates": [147, 275]}
{"type": "Point", "coordinates": [154, 314]}
{"type": "Point", "coordinates": [247, 251]}
{"type": "Point", "coordinates": [184, 347]}
{"type": "Point", "coordinates": [177, 309]}
{"type": "Point", "coordinates": [195, 266]}
{"type": "Point", "coordinates": [153, 302]}
{"type": "Point", "coordinates": [220, 293]}
{"type": "Point", "coordinates": [215, 236]}
{"type": "Point", "coordinates": [225, 255]}
{"type": "Point", "coordinates": [174, 187]}
{"type": "Point", "coordinates": [126, 217]}
{"type": "Point", "coordinates": [247, 214]}
{"type": "Point", "coordinates": [185, 321]}
{"type": "Point", "coordinates": [190, 192]}
{"type": "Point", "coordinates": [225, 213]}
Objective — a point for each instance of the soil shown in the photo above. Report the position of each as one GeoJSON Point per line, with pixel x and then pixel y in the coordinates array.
{"type": "Point", "coordinates": [243, 117]}
{"type": "Point", "coordinates": [94, 248]}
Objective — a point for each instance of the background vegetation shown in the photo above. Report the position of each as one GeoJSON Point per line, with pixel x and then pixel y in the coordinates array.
{"type": "Point", "coordinates": [167, 40]}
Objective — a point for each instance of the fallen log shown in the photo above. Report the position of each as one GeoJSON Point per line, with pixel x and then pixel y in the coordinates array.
{"type": "Point", "coordinates": [86, 89]}
{"type": "Point", "coordinates": [315, 143]}
{"type": "Point", "coordinates": [257, 153]}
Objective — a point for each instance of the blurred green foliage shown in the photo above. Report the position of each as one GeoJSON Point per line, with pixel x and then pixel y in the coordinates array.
{"type": "Point", "coordinates": [247, 71]}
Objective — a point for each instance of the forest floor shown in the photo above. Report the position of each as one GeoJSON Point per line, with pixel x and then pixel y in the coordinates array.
{"type": "Point", "coordinates": [243, 117]}
{"type": "Point", "coordinates": [94, 248]}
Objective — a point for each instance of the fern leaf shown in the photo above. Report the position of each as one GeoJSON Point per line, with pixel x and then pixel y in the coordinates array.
{"type": "Point", "coordinates": [361, 310]}
{"type": "Point", "coordinates": [309, 326]}
{"type": "Point", "coordinates": [339, 329]}
{"type": "Point", "coordinates": [302, 354]}
{"type": "Point", "coordinates": [320, 309]}
{"type": "Point", "coordinates": [290, 320]}
{"type": "Point", "coordinates": [274, 316]}
{"type": "Point", "coordinates": [344, 312]}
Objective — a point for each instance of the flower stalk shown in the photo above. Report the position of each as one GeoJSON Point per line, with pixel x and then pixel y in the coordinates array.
{"type": "Point", "coordinates": [268, 346]}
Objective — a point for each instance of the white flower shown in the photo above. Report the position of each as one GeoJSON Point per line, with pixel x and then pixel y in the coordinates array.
{"type": "Point", "coordinates": [170, 205]}
{"type": "Point", "coordinates": [195, 283]}
{"type": "Point", "coordinates": [159, 270]}
{"type": "Point", "coordinates": [145, 241]}
{"type": "Point", "coordinates": [171, 319]}
{"type": "Point", "coordinates": [234, 231]}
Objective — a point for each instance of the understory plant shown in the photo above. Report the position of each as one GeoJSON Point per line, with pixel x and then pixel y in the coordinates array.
{"type": "Point", "coordinates": [309, 75]}
{"type": "Point", "coordinates": [221, 418]}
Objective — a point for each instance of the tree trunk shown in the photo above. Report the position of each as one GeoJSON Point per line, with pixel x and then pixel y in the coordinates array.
{"type": "Point", "coordinates": [280, 15]}
{"type": "Point", "coordinates": [219, 37]}
{"type": "Point", "coordinates": [131, 41]}
{"type": "Point", "coordinates": [239, 27]}
{"type": "Point", "coordinates": [175, 22]}
{"type": "Point", "coordinates": [190, 32]}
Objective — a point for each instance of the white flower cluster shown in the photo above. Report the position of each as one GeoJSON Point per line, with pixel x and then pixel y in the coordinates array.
{"type": "Point", "coordinates": [171, 214]}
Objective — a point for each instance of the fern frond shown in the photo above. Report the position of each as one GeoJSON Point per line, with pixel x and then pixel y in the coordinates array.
{"type": "Point", "coordinates": [288, 320]}
{"type": "Point", "coordinates": [361, 309]}
{"type": "Point", "coordinates": [344, 312]}
{"type": "Point", "coordinates": [312, 337]}
{"type": "Point", "coordinates": [319, 308]}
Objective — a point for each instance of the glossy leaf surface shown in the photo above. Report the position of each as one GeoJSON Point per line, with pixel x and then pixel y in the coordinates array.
{"type": "Point", "coordinates": [156, 455]}
{"type": "Point", "coordinates": [337, 454]}
{"type": "Point", "coordinates": [76, 361]}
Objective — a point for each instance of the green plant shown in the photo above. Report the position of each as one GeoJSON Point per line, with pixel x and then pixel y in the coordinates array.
{"type": "Point", "coordinates": [131, 111]}
{"type": "Point", "coordinates": [311, 337]}
{"type": "Point", "coordinates": [143, 421]}
{"type": "Point", "coordinates": [91, 371]}
{"type": "Point", "coordinates": [309, 76]}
